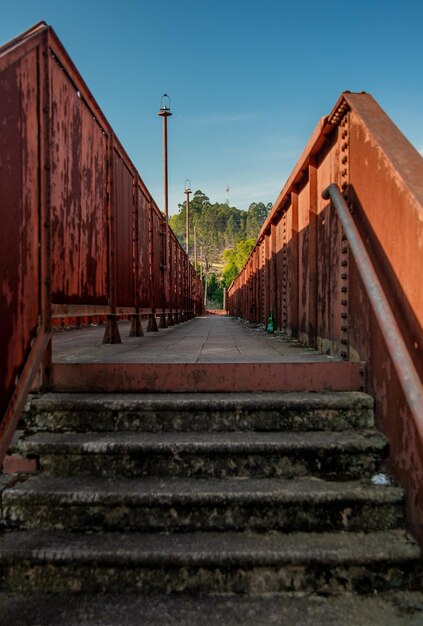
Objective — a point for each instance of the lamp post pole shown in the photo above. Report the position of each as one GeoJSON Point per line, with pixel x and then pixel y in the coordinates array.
{"type": "Point", "coordinates": [164, 114]}
{"type": "Point", "coordinates": [187, 192]}
{"type": "Point", "coordinates": [195, 249]}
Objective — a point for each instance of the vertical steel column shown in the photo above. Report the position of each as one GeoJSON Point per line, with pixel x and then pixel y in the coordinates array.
{"type": "Point", "coordinates": [45, 201]}
{"type": "Point", "coordinates": [136, 325]}
{"type": "Point", "coordinates": [312, 255]}
{"type": "Point", "coordinates": [294, 322]}
{"type": "Point", "coordinates": [266, 276]}
{"type": "Point", "coordinates": [152, 323]}
{"type": "Point", "coordinates": [112, 334]}
{"type": "Point", "coordinates": [273, 283]}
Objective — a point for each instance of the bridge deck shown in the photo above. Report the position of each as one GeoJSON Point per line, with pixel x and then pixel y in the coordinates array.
{"type": "Point", "coordinates": [196, 356]}
{"type": "Point", "coordinates": [209, 339]}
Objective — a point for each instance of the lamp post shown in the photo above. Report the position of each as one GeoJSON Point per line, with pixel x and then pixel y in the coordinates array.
{"type": "Point", "coordinates": [164, 114]}
{"type": "Point", "coordinates": [187, 192]}
{"type": "Point", "coordinates": [195, 249]}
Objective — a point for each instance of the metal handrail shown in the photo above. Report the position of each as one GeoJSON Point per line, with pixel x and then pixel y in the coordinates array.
{"type": "Point", "coordinates": [404, 366]}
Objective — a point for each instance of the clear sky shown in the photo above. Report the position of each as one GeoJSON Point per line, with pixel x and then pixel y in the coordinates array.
{"type": "Point", "coordinates": [248, 79]}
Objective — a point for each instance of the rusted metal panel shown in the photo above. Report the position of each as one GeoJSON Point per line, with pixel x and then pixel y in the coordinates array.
{"type": "Point", "coordinates": [303, 262]}
{"type": "Point", "coordinates": [288, 262]}
{"type": "Point", "coordinates": [16, 49]}
{"type": "Point", "coordinates": [329, 236]}
{"type": "Point", "coordinates": [19, 218]}
{"type": "Point", "coordinates": [279, 287]}
{"type": "Point", "coordinates": [389, 359]}
{"type": "Point", "coordinates": [295, 264]}
{"type": "Point", "coordinates": [390, 189]}
{"type": "Point", "coordinates": [206, 377]}
{"type": "Point", "coordinates": [24, 222]}
{"type": "Point", "coordinates": [101, 246]}
{"type": "Point", "coordinates": [387, 197]}
{"type": "Point", "coordinates": [78, 196]}
{"type": "Point", "coordinates": [123, 214]}
{"type": "Point", "coordinates": [157, 249]}
{"type": "Point", "coordinates": [171, 269]}
{"type": "Point", "coordinates": [273, 278]}
{"type": "Point", "coordinates": [312, 255]}
{"type": "Point", "coordinates": [143, 276]}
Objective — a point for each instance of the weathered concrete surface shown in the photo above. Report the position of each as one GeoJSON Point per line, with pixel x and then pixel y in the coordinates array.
{"type": "Point", "coordinates": [246, 494]}
{"type": "Point", "coordinates": [200, 411]}
{"type": "Point", "coordinates": [190, 504]}
{"type": "Point", "coordinates": [215, 354]}
{"type": "Point", "coordinates": [389, 609]}
{"type": "Point", "coordinates": [208, 339]}
{"type": "Point", "coordinates": [345, 455]}
{"type": "Point", "coordinates": [213, 563]}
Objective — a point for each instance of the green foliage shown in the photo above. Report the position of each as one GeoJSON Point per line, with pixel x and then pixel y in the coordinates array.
{"type": "Point", "coordinates": [214, 292]}
{"type": "Point", "coordinates": [226, 235]}
{"type": "Point", "coordinates": [256, 216]}
{"type": "Point", "coordinates": [235, 259]}
{"type": "Point", "coordinates": [218, 225]}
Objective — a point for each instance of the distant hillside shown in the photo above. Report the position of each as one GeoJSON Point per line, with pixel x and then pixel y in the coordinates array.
{"type": "Point", "coordinates": [219, 227]}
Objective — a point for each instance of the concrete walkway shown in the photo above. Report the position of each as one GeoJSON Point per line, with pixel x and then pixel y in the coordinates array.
{"type": "Point", "coordinates": [209, 339]}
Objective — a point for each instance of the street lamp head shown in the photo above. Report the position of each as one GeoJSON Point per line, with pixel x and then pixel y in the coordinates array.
{"type": "Point", "coordinates": [187, 186]}
{"type": "Point", "coordinates": [165, 106]}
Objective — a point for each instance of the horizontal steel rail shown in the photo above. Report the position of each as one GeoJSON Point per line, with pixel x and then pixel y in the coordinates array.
{"type": "Point", "coordinates": [403, 363]}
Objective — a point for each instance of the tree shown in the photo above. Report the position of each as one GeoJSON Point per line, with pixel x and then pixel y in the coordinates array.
{"type": "Point", "coordinates": [220, 228]}
{"type": "Point", "coordinates": [214, 292]}
{"type": "Point", "coordinates": [235, 259]}
{"type": "Point", "coordinates": [256, 216]}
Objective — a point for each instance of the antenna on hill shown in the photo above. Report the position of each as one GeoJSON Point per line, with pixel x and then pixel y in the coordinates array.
{"type": "Point", "coordinates": [227, 194]}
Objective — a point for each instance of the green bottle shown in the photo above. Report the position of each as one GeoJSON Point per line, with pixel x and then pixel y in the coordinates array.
{"type": "Point", "coordinates": [270, 327]}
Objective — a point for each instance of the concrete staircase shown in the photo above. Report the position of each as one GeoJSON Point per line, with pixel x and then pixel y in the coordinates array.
{"type": "Point", "coordinates": [252, 507]}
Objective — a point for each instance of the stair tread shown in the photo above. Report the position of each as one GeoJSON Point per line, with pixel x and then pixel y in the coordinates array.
{"type": "Point", "coordinates": [92, 490]}
{"type": "Point", "coordinates": [208, 548]}
{"type": "Point", "coordinates": [388, 609]}
{"type": "Point", "coordinates": [219, 442]}
{"type": "Point", "coordinates": [207, 401]}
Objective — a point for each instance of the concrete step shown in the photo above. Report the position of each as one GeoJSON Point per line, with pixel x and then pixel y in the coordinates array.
{"type": "Point", "coordinates": [197, 504]}
{"type": "Point", "coordinates": [338, 455]}
{"type": "Point", "coordinates": [208, 563]}
{"type": "Point", "coordinates": [199, 411]}
{"type": "Point", "coordinates": [388, 609]}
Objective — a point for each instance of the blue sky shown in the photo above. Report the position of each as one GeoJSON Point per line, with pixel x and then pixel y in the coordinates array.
{"type": "Point", "coordinates": [248, 80]}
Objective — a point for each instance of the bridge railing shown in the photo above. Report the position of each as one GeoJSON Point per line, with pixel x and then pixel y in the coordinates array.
{"type": "Point", "coordinates": [82, 235]}
{"type": "Point", "coordinates": [301, 269]}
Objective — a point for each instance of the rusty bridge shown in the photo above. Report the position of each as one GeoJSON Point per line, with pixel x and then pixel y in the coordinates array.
{"type": "Point", "coordinates": [120, 439]}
